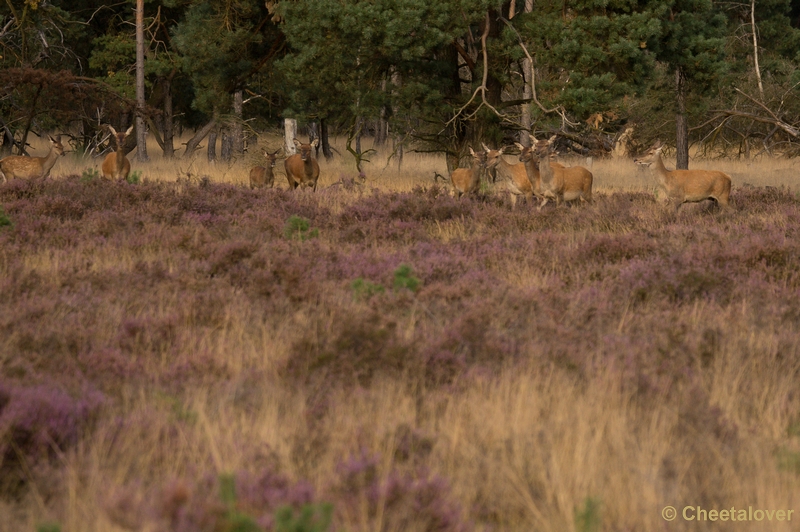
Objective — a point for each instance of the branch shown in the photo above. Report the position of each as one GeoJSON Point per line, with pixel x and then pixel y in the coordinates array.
{"type": "Point", "coordinates": [559, 109]}
{"type": "Point", "coordinates": [482, 88]}
{"type": "Point", "coordinates": [791, 130]}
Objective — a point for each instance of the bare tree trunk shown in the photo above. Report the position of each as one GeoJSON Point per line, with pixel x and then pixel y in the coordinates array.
{"type": "Point", "coordinates": [226, 144]}
{"type": "Point", "coordinates": [237, 130]}
{"type": "Point", "coordinates": [191, 146]}
{"type": "Point", "coordinates": [755, 47]}
{"type": "Point", "coordinates": [323, 134]}
{"type": "Point", "coordinates": [527, 92]}
{"type": "Point", "coordinates": [681, 124]}
{"type": "Point", "coordinates": [169, 147]}
{"type": "Point", "coordinates": [212, 145]}
{"type": "Point", "coordinates": [141, 130]}
{"type": "Point", "coordinates": [289, 134]}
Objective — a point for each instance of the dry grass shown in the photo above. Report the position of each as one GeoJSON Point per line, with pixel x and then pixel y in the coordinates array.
{"type": "Point", "coordinates": [610, 174]}
{"type": "Point", "coordinates": [545, 428]}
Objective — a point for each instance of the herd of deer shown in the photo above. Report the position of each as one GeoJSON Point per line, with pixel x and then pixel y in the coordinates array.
{"type": "Point", "coordinates": [537, 174]}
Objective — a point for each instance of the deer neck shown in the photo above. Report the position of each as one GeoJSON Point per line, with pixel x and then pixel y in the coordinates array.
{"type": "Point", "coordinates": [546, 170]}
{"type": "Point", "coordinates": [49, 161]}
{"type": "Point", "coordinates": [660, 170]}
{"type": "Point", "coordinates": [120, 159]}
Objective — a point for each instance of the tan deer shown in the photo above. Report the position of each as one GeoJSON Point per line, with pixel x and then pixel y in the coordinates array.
{"type": "Point", "coordinates": [558, 182]}
{"type": "Point", "coordinates": [468, 180]}
{"type": "Point", "coordinates": [116, 165]}
{"type": "Point", "coordinates": [687, 186]}
{"type": "Point", "coordinates": [31, 167]}
{"type": "Point", "coordinates": [514, 175]}
{"type": "Point", "coordinates": [527, 156]}
{"type": "Point", "coordinates": [263, 176]}
{"type": "Point", "coordinates": [301, 168]}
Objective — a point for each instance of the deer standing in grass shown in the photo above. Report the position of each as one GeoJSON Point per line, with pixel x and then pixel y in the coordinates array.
{"type": "Point", "coordinates": [116, 165]}
{"type": "Point", "coordinates": [301, 168]}
{"type": "Point", "coordinates": [31, 167]}
{"type": "Point", "coordinates": [468, 180]}
{"type": "Point", "coordinates": [558, 182]}
{"type": "Point", "coordinates": [686, 186]}
{"type": "Point", "coordinates": [514, 175]}
{"type": "Point", "coordinates": [527, 156]}
{"type": "Point", "coordinates": [263, 176]}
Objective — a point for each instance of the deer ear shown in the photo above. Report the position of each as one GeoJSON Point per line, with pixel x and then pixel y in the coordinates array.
{"type": "Point", "coordinates": [111, 129]}
{"type": "Point", "coordinates": [297, 143]}
{"type": "Point", "coordinates": [485, 147]}
{"type": "Point", "coordinates": [519, 146]}
{"type": "Point", "coordinates": [315, 143]}
{"type": "Point", "coordinates": [471, 151]}
{"type": "Point", "coordinates": [128, 132]}
{"type": "Point", "coordinates": [552, 139]}
{"type": "Point", "coordinates": [533, 139]}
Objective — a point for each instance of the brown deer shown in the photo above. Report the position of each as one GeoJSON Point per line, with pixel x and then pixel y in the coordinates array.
{"type": "Point", "coordinates": [31, 167]}
{"type": "Point", "coordinates": [116, 165]}
{"type": "Point", "coordinates": [468, 180]}
{"type": "Point", "coordinates": [301, 168]}
{"type": "Point", "coordinates": [263, 176]}
{"type": "Point", "coordinates": [687, 186]}
{"type": "Point", "coordinates": [560, 183]}
{"type": "Point", "coordinates": [514, 175]}
{"type": "Point", "coordinates": [527, 156]}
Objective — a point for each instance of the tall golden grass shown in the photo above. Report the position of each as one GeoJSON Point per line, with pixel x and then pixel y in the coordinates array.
{"type": "Point", "coordinates": [544, 448]}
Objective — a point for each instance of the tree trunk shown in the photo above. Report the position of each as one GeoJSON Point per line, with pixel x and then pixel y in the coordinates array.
{"type": "Point", "coordinates": [212, 145]}
{"type": "Point", "coordinates": [141, 130]}
{"type": "Point", "coordinates": [681, 124]}
{"type": "Point", "coordinates": [313, 133]}
{"type": "Point", "coordinates": [226, 144]}
{"type": "Point", "coordinates": [323, 139]}
{"type": "Point", "coordinates": [527, 92]}
{"type": "Point", "coordinates": [191, 146]}
{"type": "Point", "coordinates": [237, 130]}
{"type": "Point", "coordinates": [289, 134]}
{"type": "Point", "coordinates": [169, 147]}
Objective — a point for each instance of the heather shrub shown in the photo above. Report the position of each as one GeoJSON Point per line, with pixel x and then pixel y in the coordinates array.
{"type": "Point", "coordinates": [363, 345]}
{"type": "Point", "coordinates": [37, 423]}
{"type": "Point", "coordinates": [393, 500]}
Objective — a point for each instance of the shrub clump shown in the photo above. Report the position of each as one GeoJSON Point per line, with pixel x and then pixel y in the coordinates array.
{"type": "Point", "coordinates": [36, 422]}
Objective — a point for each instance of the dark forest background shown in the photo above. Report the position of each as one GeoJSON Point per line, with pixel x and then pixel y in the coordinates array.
{"type": "Point", "coordinates": [421, 75]}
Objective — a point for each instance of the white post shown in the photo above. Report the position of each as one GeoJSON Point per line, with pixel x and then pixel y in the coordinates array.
{"type": "Point", "coordinates": [289, 134]}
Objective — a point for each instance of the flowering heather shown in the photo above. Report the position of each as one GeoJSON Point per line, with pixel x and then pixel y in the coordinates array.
{"type": "Point", "coordinates": [488, 368]}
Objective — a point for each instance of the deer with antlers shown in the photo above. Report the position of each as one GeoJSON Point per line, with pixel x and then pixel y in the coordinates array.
{"type": "Point", "coordinates": [116, 165]}
{"type": "Point", "coordinates": [514, 175]}
{"type": "Point", "coordinates": [23, 167]}
{"type": "Point", "coordinates": [686, 186]}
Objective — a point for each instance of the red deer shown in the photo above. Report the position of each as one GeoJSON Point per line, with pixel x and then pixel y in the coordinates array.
{"type": "Point", "coordinates": [514, 175]}
{"type": "Point", "coordinates": [468, 180]}
{"type": "Point", "coordinates": [263, 176]}
{"type": "Point", "coordinates": [301, 168]}
{"type": "Point", "coordinates": [116, 165]}
{"type": "Point", "coordinates": [31, 167]}
{"type": "Point", "coordinates": [527, 156]}
{"type": "Point", "coordinates": [560, 183]}
{"type": "Point", "coordinates": [687, 186]}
